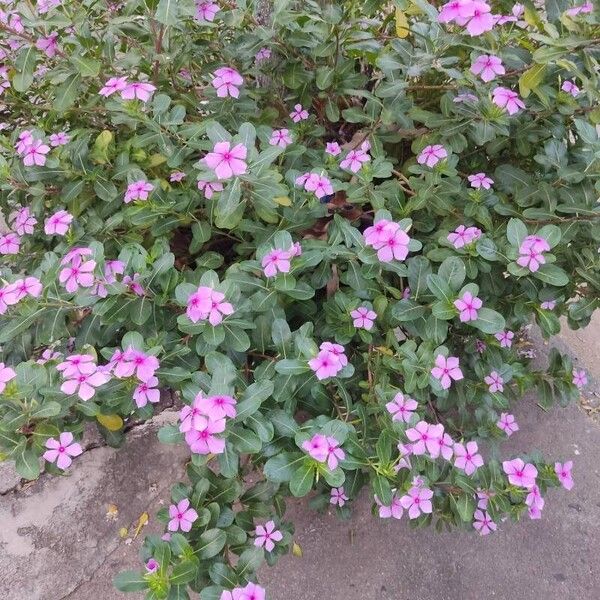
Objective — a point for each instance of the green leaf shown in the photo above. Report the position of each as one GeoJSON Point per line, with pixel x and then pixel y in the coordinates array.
{"type": "Point", "coordinates": [186, 570]}
{"type": "Point", "coordinates": [87, 67]}
{"type": "Point", "coordinates": [25, 65]}
{"type": "Point", "coordinates": [302, 479]}
{"type": "Point", "coordinates": [253, 397]}
{"type": "Point", "coordinates": [67, 93]}
{"type": "Point", "coordinates": [211, 542]}
{"type": "Point", "coordinates": [130, 581]}
{"type": "Point", "coordinates": [27, 463]}
{"type": "Point", "coordinates": [46, 410]}
{"type": "Point", "coordinates": [170, 434]}
{"type": "Point", "coordinates": [464, 506]}
{"type": "Point", "coordinates": [280, 468]}
{"type": "Point", "coordinates": [249, 562]}
{"type": "Point", "coordinates": [407, 310]}
{"type": "Point", "coordinates": [324, 77]}
{"type": "Point", "coordinates": [531, 79]}
{"type": "Point", "coordinates": [292, 367]}
{"type": "Point", "coordinates": [552, 275]}
{"type": "Point", "coordinates": [453, 272]}
{"type": "Point", "coordinates": [488, 321]}
{"type": "Point", "coordinates": [19, 324]}
{"type": "Point", "coordinates": [382, 489]}
{"type": "Point", "coordinates": [167, 12]}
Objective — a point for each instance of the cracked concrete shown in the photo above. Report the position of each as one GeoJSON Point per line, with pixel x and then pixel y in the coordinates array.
{"type": "Point", "coordinates": [57, 542]}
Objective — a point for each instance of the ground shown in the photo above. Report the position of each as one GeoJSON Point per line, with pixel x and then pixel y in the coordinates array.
{"type": "Point", "coordinates": [61, 538]}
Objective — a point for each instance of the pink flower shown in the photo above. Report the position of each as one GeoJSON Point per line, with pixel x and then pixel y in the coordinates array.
{"type": "Point", "coordinates": [454, 11]}
{"type": "Point", "coordinates": [267, 535]}
{"type": "Point", "coordinates": [206, 10]}
{"type": "Point", "coordinates": [418, 501]}
{"type": "Point", "coordinates": [44, 6]}
{"type": "Point", "coordinates": [379, 232]}
{"type": "Point", "coordinates": [23, 221]}
{"type": "Point", "coordinates": [77, 364]}
{"type": "Point", "coordinates": [114, 84]}
{"type": "Point", "coordinates": [336, 350]}
{"type": "Point", "coordinates": [138, 190]}
{"type": "Point", "coordinates": [146, 392]}
{"type": "Point", "coordinates": [181, 516]}
{"type": "Point", "coordinates": [446, 369]}
{"type": "Point", "coordinates": [338, 497]}
{"type": "Point", "coordinates": [299, 114]}
{"type": "Point", "coordinates": [226, 82]}
{"type": "Point", "coordinates": [463, 236]}
{"type": "Point", "coordinates": [334, 453]}
{"type": "Point", "coordinates": [194, 416]}
{"type": "Point", "coordinates": [363, 318]}
{"type": "Point", "coordinates": [133, 284]}
{"type": "Point", "coordinates": [505, 98]}
{"type": "Point", "coordinates": [579, 378]}
{"type": "Point", "coordinates": [548, 305]}
{"type": "Point", "coordinates": [84, 384]}
{"type": "Point", "coordinates": [446, 446]}
{"type": "Point", "coordinates": [519, 473]}
{"type": "Point", "coordinates": [507, 423]}
{"type": "Point", "coordinates": [59, 139]}
{"type": "Point", "coordinates": [281, 138]}
{"type": "Point", "coordinates": [152, 566]}
{"type": "Point", "coordinates": [139, 89]}
{"type": "Point", "coordinates": [112, 268]}
{"type": "Point", "coordinates": [534, 498]}
{"type": "Point", "coordinates": [481, 19]}
{"type": "Point", "coordinates": [394, 510]}
{"type": "Point", "coordinates": [432, 155]}
{"type": "Point", "coordinates": [563, 472]}
{"type": "Point", "coordinates": [262, 54]}
{"type": "Point", "coordinates": [487, 66]}
{"type": "Point", "coordinates": [585, 8]}
{"type": "Point", "coordinates": [48, 45]}
{"type": "Point", "coordinates": [354, 160]}
{"type": "Point", "coordinates": [317, 447]}
{"type": "Point", "coordinates": [570, 88]}
{"type": "Point", "coordinates": [35, 154]}
{"type": "Point", "coordinates": [333, 148]}
{"type": "Point", "coordinates": [219, 407]}
{"type": "Point", "coordinates": [252, 591]}
{"type": "Point", "coordinates": [58, 223]}
{"type": "Point", "coordinates": [505, 338]}
{"type": "Point", "coordinates": [468, 306]}
{"type": "Point", "coordinates": [276, 261]}
{"type": "Point", "coordinates": [325, 365]}
{"type": "Point", "coordinates": [10, 243]}
{"type": "Point", "coordinates": [207, 304]}
{"type": "Point", "coordinates": [392, 245]}
{"type": "Point", "coordinates": [6, 374]}
{"type": "Point", "coordinates": [137, 362]}
{"type": "Point", "coordinates": [401, 408]}
{"type": "Point", "coordinates": [77, 274]}
{"type": "Point", "coordinates": [176, 176]}
{"type": "Point", "coordinates": [202, 439]}
{"type": "Point", "coordinates": [495, 382]}
{"type": "Point", "coordinates": [48, 355]}
{"type": "Point", "coordinates": [62, 450]}
{"type": "Point", "coordinates": [295, 249]}
{"type": "Point", "coordinates": [423, 438]}
{"type": "Point", "coordinates": [226, 161]}
{"type": "Point", "coordinates": [467, 458]}
{"type": "Point", "coordinates": [480, 180]}
{"type": "Point", "coordinates": [530, 252]}
{"type": "Point", "coordinates": [319, 184]}
{"type": "Point", "coordinates": [209, 188]}
{"type": "Point", "coordinates": [483, 523]}
{"type": "Point", "coordinates": [16, 291]}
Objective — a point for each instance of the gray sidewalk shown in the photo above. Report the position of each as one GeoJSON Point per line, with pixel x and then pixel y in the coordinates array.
{"type": "Point", "coordinates": [57, 542]}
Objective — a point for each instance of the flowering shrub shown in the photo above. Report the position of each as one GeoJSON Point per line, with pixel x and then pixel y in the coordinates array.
{"type": "Point", "coordinates": [323, 227]}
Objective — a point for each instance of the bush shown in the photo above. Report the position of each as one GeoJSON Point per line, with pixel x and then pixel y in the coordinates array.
{"type": "Point", "coordinates": [323, 226]}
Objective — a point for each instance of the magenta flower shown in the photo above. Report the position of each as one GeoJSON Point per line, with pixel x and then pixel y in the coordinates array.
{"type": "Point", "coordinates": [59, 139]}
{"type": "Point", "coordinates": [295, 249]}
{"type": "Point", "coordinates": [483, 523]}
{"type": "Point", "coordinates": [446, 369]}
{"type": "Point", "coordinates": [401, 408]}
{"type": "Point", "coordinates": [338, 497]}
{"type": "Point", "coordinates": [114, 84]}
{"type": "Point", "coordinates": [393, 510]}
{"type": "Point", "coordinates": [207, 304]}
{"type": "Point", "coordinates": [62, 450]}
{"type": "Point", "coordinates": [333, 148]}
{"type": "Point", "coordinates": [16, 291]}
{"type": "Point", "coordinates": [505, 338]}
{"type": "Point", "coordinates": [570, 88]}
{"type": "Point", "coordinates": [58, 223]}
{"type": "Point", "coordinates": [548, 305]}
{"type": "Point", "coordinates": [84, 385]}
{"type": "Point", "coordinates": [432, 155]}
{"type": "Point", "coordinates": [505, 98]}
{"type": "Point", "coordinates": [48, 355]}
{"type": "Point", "coordinates": [78, 274]}
{"type": "Point", "coordinates": [219, 407]}
{"type": "Point", "coordinates": [194, 416]}
{"type": "Point", "coordinates": [209, 188]}
{"type": "Point", "coordinates": [206, 10]}
{"type": "Point", "coordinates": [507, 423]}
{"type": "Point", "coordinates": [319, 184]}
{"type": "Point", "coordinates": [463, 236]}
{"type": "Point", "coordinates": [534, 498]}
{"type": "Point", "coordinates": [262, 54]}
{"type": "Point", "coordinates": [281, 138]}
{"type": "Point", "coordinates": [176, 176]}
{"type": "Point", "coordinates": [10, 243]}
{"type": "Point", "coordinates": [23, 221]}
{"type": "Point", "coordinates": [519, 473]}
{"type": "Point", "coordinates": [202, 440]}
{"type": "Point", "coordinates": [423, 438]}
{"type": "Point", "coordinates": [363, 318]}
{"type": "Point", "coordinates": [467, 458]}
{"type": "Point", "coordinates": [317, 447]}
{"type": "Point", "coordinates": [495, 382]}
{"type": "Point", "coordinates": [6, 374]}
{"type": "Point", "coordinates": [334, 453]}
{"type": "Point", "coordinates": [354, 160]}
{"type": "Point", "coordinates": [77, 364]}
{"type": "Point", "coordinates": [446, 446]}
{"type": "Point", "coordinates": [226, 81]}
{"type": "Point", "coordinates": [417, 501]}
{"type": "Point", "coordinates": [267, 535]}
{"type": "Point", "coordinates": [299, 114]}
{"type": "Point", "coordinates": [579, 378]}
{"type": "Point", "coordinates": [139, 89]}
{"type": "Point", "coordinates": [35, 154]}
{"type": "Point", "coordinates": [563, 472]}
{"type": "Point", "coordinates": [48, 45]}
{"type": "Point", "coordinates": [181, 516]}
{"type": "Point", "coordinates": [152, 566]}
{"type": "Point", "coordinates": [480, 180]}
{"type": "Point", "coordinates": [393, 246]}
{"type": "Point", "coordinates": [44, 6]}
{"type": "Point", "coordinates": [112, 268]}
{"type": "Point", "coordinates": [487, 66]}
{"type": "Point", "coordinates": [581, 9]}
{"type": "Point", "coordinates": [468, 306]}
{"type": "Point", "coordinates": [252, 591]}
{"type": "Point", "coordinates": [481, 18]}
{"type": "Point", "coordinates": [146, 392]}
{"type": "Point", "coordinates": [133, 284]}
{"type": "Point", "coordinates": [379, 232]}
{"type": "Point", "coordinates": [226, 161]}
{"type": "Point", "coordinates": [137, 362]}
{"type": "Point", "coordinates": [138, 190]}
{"type": "Point", "coordinates": [276, 261]}
{"type": "Point", "coordinates": [530, 252]}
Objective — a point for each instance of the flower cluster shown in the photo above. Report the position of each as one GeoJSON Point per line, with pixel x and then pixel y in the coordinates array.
{"type": "Point", "coordinates": [389, 239]}
{"type": "Point", "coordinates": [330, 360]}
{"type": "Point", "coordinates": [278, 260]}
{"type": "Point", "coordinates": [206, 304]}
{"type": "Point", "coordinates": [324, 449]}
{"type": "Point", "coordinates": [313, 182]}
{"type": "Point", "coordinates": [531, 252]}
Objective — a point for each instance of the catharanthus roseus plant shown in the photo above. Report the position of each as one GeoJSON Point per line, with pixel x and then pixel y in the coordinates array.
{"type": "Point", "coordinates": [323, 226]}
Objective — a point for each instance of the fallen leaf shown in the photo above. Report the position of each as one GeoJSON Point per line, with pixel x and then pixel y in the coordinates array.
{"type": "Point", "coordinates": [143, 520]}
